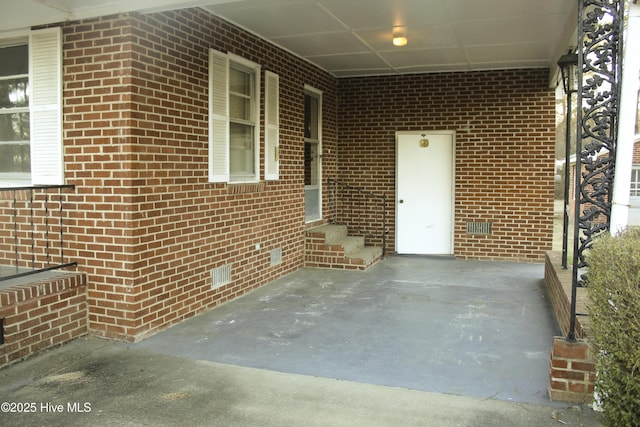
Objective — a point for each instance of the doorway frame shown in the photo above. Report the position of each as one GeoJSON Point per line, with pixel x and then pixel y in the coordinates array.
{"type": "Point", "coordinates": [316, 93]}
{"type": "Point", "coordinates": [452, 133]}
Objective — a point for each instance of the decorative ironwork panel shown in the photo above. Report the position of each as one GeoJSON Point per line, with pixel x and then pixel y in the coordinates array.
{"type": "Point", "coordinates": [600, 26]}
{"type": "Point", "coordinates": [600, 61]}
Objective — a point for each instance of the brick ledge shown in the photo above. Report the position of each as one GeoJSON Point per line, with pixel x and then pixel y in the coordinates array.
{"type": "Point", "coordinates": [40, 286]}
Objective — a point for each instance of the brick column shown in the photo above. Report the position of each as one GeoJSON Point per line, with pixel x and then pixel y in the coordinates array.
{"type": "Point", "coordinates": [572, 376]}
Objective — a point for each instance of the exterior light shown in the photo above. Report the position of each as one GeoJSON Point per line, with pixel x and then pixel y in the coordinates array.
{"type": "Point", "coordinates": [568, 64]}
{"type": "Point", "coordinates": [399, 36]}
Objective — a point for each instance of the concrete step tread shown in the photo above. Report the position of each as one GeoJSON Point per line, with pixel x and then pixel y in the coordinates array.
{"type": "Point", "coordinates": [333, 233]}
{"type": "Point", "coordinates": [368, 254]}
{"type": "Point", "coordinates": [351, 244]}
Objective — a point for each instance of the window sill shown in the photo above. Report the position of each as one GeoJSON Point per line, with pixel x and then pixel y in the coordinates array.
{"type": "Point", "coordinates": [8, 180]}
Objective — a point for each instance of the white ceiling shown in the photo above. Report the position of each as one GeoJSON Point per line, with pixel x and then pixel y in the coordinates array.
{"type": "Point", "coordinates": [353, 37]}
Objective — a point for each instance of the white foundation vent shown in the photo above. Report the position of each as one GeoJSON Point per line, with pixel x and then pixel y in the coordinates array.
{"type": "Point", "coordinates": [220, 276]}
{"type": "Point", "coordinates": [479, 228]}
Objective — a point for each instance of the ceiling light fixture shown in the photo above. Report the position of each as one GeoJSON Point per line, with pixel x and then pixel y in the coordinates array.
{"type": "Point", "coordinates": [399, 36]}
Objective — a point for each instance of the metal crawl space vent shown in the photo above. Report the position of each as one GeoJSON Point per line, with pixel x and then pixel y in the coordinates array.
{"type": "Point", "coordinates": [220, 276]}
{"type": "Point", "coordinates": [479, 227]}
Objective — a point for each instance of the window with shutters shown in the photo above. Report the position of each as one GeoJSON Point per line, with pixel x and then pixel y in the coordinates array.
{"type": "Point", "coordinates": [31, 109]}
{"type": "Point", "coordinates": [234, 120]}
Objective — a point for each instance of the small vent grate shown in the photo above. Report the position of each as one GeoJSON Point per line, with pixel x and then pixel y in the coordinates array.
{"type": "Point", "coordinates": [479, 227]}
{"type": "Point", "coordinates": [220, 276]}
{"type": "Point", "coordinates": [276, 256]}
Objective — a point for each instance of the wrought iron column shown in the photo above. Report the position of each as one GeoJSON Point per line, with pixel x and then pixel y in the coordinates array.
{"type": "Point", "coordinates": [600, 29]}
{"type": "Point", "coordinates": [567, 179]}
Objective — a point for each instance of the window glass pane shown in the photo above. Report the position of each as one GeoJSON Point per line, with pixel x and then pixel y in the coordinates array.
{"type": "Point", "coordinates": [14, 127]}
{"type": "Point", "coordinates": [240, 81]}
{"type": "Point", "coordinates": [310, 117]}
{"type": "Point", "coordinates": [241, 150]}
{"type": "Point", "coordinates": [14, 60]}
{"type": "Point", "coordinates": [14, 93]}
{"type": "Point", "coordinates": [310, 163]}
{"type": "Point", "coordinates": [14, 158]}
{"type": "Point", "coordinates": [240, 107]}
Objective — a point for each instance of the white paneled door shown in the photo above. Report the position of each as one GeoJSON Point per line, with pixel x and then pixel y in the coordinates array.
{"type": "Point", "coordinates": [424, 193]}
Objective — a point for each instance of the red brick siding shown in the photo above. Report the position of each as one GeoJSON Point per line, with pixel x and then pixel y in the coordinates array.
{"type": "Point", "coordinates": [505, 139]}
{"type": "Point", "coordinates": [147, 226]}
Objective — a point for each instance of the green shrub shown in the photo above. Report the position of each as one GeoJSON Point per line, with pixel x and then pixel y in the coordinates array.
{"type": "Point", "coordinates": [614, 293]}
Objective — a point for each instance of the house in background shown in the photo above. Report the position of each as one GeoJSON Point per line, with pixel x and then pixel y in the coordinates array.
{"type": "Point", "coordinates": [199, 151]}
{"type": "Point", "coordinates": [634, 212]}
{"type": "Point", "coordinates": [634, 207]}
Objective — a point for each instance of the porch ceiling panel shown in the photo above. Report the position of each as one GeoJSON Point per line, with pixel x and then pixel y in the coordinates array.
{"type": "Point", "coordinates": [535, 52]}
{"type": "Point", "coordinates": [421, 57]}
{"type": "Point", "coordinates": [353, 61]}
{"type": "Point", "coordinates": [353, 37]}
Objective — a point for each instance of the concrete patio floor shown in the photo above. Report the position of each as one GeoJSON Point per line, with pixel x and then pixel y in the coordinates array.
{"type": "Point", "coordinates": [413, 341]}
{"type": "Point", "coordinates": [470, 328]}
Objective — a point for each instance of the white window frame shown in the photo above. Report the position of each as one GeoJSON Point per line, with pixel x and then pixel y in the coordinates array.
{"type": "Point", "coordinates": [219, 118]}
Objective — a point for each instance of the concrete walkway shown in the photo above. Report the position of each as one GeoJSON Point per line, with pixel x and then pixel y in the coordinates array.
{"type": "Point", "coordinates": [116, 385]}
{"type": "Point", "coordinates": [412, 341]}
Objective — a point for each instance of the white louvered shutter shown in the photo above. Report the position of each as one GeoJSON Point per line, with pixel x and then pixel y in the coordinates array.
{"type": "Point", "coordinates": [218, 117]}
{"type": "Point", "coordinates": [45, 105]}
{"type": "Point", "coordinates": [272, 126]}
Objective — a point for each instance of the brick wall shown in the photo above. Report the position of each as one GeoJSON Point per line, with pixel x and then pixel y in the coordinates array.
{"type": "Point", "coordinates": [147, 227]}
{"type": "Point", "coordinates": [42, 314]}
{"type": "Point", "coordinates": [572, 376]}
{"type": "Point", "coordinates": [559, 282]}
{"type": "Point", "coordinates": [505, 141]}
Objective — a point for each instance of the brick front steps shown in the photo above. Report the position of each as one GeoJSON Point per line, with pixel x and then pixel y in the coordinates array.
{"type": "Point", "coordinates": [330, 246]}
